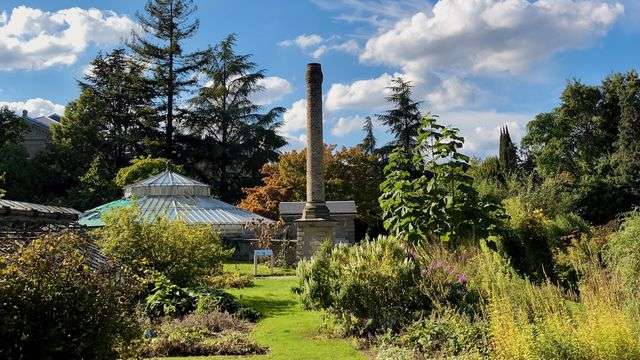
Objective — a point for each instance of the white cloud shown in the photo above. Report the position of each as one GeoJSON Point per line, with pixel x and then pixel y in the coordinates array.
{"type": "Point", "coordinates": [294, 119]}
{"type": "Point", "coordinates": [317, 53]}
{"type": "Point", "coordinates": [303, 41]}
{"type": "Point", "coordinates": [3, 17]}
{"type": "Point", "coordinates": [452, 93]}
{"type": "Point", "coordinates": [36, 107]}
{"type": "Point", "coordinates": [274, 88]}
{"type": "Point", "coordinates": [360, 94]}
{"type": "Point", "coordinates": [36, 39]}
{"type": "Point", "coordinates": [490, 35]}
{"type": "Point", "coordinates": [347, 125]}
{"type": "Point", "coordinates": [349, 47]}
{"type": "Point", "coordinates": [379, 13]}
{"type": "Point", "coordinates": [481, 129]}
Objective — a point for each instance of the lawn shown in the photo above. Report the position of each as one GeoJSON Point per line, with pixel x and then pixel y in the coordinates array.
{"type": "Point", "coordinates": [290, 332]}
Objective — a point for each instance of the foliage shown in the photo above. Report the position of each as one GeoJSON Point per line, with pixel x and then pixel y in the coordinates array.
{"type": "Point", "coordinates": [12, 127]}
{"type": "Point", "coordinates": [167, 299]}
{"type": "Point", "coordinates": [228, 280]}
{"type": "Point", "coordinates": [181, 251]}
{"type": "Point", "coordinates": [507, 153]}
{"type": "Point", "coordinates": [404, 119]}
{"type": "Point", "coordinates": [623, 252]}
{"type": "Point", "coordinates": [218, 300]}
{"type": "Point", "coordinates": [266, 231]}
{"type": "Point", "coordinates": [55, 306]}
{"type": "Point", "coordinates": [142, 168]}
{"type": "Point", "coordinates": [212, 333]}
{"type": "Point", "coordinates": [588, 137]}
{"type": "Point", "coordinates": [230, 136]}
{"type": "Point", "coordinates": [368, 144]}
{"type": "Point", "coordinates": [167, 24]}
{"type": "Point", "coordinates": [447, 334]}
{"type": "Point", "coordinates": [430, 196]}
{"type": "Point", "coordinates": [352, 282]}
{"type": "Point", "coordinates": [350, 174]}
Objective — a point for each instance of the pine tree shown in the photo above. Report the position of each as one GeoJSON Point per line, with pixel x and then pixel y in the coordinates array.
{"type": "Point", "coordinates": [508, 157]}
{"type": "Point", "coordinates": [368, 144]}
{"type": "Point", "coordinates": [404, 119]}
{"type": "Point", "coordinates": [231, 134]}
{"type": "Point", "coordinates": [167, 25]}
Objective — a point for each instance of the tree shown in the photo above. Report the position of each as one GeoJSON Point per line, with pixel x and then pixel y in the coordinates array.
{"type": "Point", "coordinates": [12, 127]}
{"type": "Point", "coordinates": [507, 153]}
{"type": "Point", "coordinates": [351, 174]}
{"type": "Point", "coordinates": [588, 138]}
{"type": "Point", "coordinates": [167, 24]}
{"type": "Point", "coordinates": [142, 168]}
{"type": "Point", "coordinates": [404, 119]}
{"type": "Point", "coordinates": [182, 252]}
{"type": "Point", "coordinates": [56, 306]}
{"type": "Point", "coordinates": [112, 122]}
{"type": "Point", "coordinates": [369, 142]}
{"type": "Point", "coordinates": [232, 138]}
{"type": "Point", "coordinates": [430, 196]}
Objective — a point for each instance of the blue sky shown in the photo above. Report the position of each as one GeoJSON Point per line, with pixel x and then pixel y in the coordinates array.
{"type": "Point", "coordinates": [478, 64]}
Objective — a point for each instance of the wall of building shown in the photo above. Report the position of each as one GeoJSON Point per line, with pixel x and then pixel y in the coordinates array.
{"type": "Point", "coordinates": [345, 229]}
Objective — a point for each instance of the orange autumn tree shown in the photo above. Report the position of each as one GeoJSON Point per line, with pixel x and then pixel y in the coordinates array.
{"type": "Point", "coordinates": [350, 174]}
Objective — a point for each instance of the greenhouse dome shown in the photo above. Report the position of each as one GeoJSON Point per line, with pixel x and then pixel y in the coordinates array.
{"type": "Point", "coordinates": [177, 197]}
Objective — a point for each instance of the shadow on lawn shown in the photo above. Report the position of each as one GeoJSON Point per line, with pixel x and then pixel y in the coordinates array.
{"type": "Point", "coordinates": [269, 306]}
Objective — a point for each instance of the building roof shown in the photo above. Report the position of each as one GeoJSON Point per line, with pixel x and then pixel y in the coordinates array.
{"type": "Point", "coordinates": [335, 207]}
{"type": "Point", "coordinates": [167, 183]}
{"type": "Point", "coordinates": [177, 197]}
{"type": "Point", "coordinates": [23, 210]}
{"type": "Point", "coordinates": [44, 122]}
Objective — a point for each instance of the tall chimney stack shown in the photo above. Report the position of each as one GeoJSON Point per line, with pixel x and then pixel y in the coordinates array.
{"type": "Point", "coordinates": [316, 224]}
{"type": "Point", "coordinates": [315, 207]}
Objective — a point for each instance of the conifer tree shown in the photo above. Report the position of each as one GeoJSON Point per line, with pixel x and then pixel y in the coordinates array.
{"type": "Point", "coordinates": [167, 25]}
{"type": "Point", "coordinates": [368, 144]}
{"type": "Point", "coordinates": [405, 118]}
{"type": "Point", "coordinates": [231, 135]}
{"type": "Point", "coordinates": [508, 156]}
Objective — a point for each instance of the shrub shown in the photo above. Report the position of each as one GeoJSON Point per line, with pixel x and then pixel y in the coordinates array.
{"type": "Point", "coordinates": [54, 306]}
{"type": "Point", "coordinates": [229, 280]}
{"type": "Point", "coordinates": [352, 283]}
{"type": "Point", "coordinates": [445, 334]}
{"type": "Point", "coordinates": [183, 252]}
{"type": "Point", "coordinates": [167, 299]}
{"type": "Point", "coordinates": [218, 300]}
{"type": "Point", "coordinates": [622, 252]}
{"type": "Point", "coordinates": [212, 333]}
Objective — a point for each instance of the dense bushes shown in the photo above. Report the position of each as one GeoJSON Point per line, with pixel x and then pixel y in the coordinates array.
{"type": "Point", "coordinates": [431, 301]}
{"type": "Point", "coordinates": [183, 252]}
{"type": "Point", "coordinates": [352, 283]}
{"type": "Point", "coordinates": [54, 306]}
{"type": "Point", "coordinates": [210, 333]}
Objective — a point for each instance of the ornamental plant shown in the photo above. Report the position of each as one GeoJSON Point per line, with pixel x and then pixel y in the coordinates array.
{"type": "Point", "coordinates": [429, 195]}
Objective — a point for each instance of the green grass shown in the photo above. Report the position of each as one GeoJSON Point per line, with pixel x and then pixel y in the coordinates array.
{"type": "Point", "coordinates": [290, 332]}
{"type": "Point", "coordinates": [263, 269]}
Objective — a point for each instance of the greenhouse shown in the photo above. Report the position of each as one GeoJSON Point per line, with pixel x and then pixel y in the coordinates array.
{"type": "Point", "coordinates": [177, 197]}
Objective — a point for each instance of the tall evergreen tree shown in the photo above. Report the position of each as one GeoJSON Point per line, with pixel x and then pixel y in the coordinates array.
{"type": "Point", "coordinates": [233, 138]}
{"type": "Point", "coordinates": [508, 156]}
{"type": "Point", "coordinates": [167, 25]}
{"type": "Point", "coordinates": [404, 119]}
{"type": "Point", "coordinates": [627, 156]}
{"type": "Point", "coordinates": [369, 142]}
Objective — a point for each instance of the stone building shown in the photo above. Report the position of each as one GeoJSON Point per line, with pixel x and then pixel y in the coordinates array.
{"type": "Point", "coordinates": [342, 212]}
{"type": "Point", "coordinates": [38, 133]}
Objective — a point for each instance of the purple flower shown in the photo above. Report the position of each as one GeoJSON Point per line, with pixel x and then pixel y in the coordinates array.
{"type": "Point", "coordinates": [462, 279]}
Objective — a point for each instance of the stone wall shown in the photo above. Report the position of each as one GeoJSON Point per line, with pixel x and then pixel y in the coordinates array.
{"type": "Point", "coordinates": [345, 227]}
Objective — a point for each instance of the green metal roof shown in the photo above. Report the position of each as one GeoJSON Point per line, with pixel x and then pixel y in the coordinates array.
{"type": "Point", "coordinates": [93, 217]}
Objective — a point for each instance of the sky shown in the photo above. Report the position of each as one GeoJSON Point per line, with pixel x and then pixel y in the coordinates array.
{"type": "Point", "coordinates": [477, 64]}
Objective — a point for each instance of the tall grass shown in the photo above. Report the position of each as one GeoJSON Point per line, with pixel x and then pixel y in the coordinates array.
{"type": "Point", "coordinates": [528, 321]}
